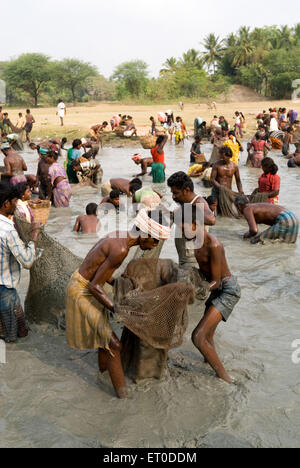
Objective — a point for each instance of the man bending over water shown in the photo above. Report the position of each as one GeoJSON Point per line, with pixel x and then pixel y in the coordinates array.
{"type": "Point", "coordinates": [284, 224]}
{"type": "Point", "coordinates": [87, 300]}
{"type": "Point", "coordinates": [225, 291]}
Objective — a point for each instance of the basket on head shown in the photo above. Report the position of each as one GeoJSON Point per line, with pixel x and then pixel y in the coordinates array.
{"type": "Point", "coordinates": [41, 210]}
{"type": "Point", "coordinates": [148, 141]}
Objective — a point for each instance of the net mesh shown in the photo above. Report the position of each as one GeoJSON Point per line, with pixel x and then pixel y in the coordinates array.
{"type": "Point", "coordinates": [151, 302]}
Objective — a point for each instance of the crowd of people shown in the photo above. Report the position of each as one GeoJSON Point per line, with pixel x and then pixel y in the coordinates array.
{"type": "Point", "coordinates": [87, 301]}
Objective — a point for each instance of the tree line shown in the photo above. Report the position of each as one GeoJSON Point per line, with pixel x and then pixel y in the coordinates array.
{"type": "Point", "coordinates": [265, 59]}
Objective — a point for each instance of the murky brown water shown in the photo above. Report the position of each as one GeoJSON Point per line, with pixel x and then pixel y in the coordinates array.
{"type": "Point", "coordinates": [52, 396]}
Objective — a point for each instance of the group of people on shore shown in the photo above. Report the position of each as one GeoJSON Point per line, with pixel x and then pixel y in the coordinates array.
{"type": "Point", "coordinates": [87, 300]}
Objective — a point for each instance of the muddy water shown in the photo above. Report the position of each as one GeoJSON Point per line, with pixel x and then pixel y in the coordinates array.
{"type": "Point", "coordinates": [52, 396]}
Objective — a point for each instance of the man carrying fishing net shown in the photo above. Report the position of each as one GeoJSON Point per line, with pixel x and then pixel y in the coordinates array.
{"type": "Point", "coordinates": [221, 178]}
{"type": "Point", "coordinates": [87, 300]}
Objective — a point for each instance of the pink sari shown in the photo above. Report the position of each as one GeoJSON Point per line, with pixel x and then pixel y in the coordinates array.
{"type": "Point", "coordinates": [62, 192]}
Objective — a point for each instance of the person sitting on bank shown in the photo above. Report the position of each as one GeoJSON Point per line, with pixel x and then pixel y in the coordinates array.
{"type": "Point", "coordinates": [88, 223]}
{"type": "Point", "coordinates": [144, 162]}
{"type": "Point", "coordinates": [87, 300]}
{"type": "Point", "coordinates": [284, 225]}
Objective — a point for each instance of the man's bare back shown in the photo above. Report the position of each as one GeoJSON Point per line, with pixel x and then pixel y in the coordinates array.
{"type": "Point", "coordinates": [87, 224]}
{"type": "Point", "coordinates": [121, 184]}
{"type": "Point", "coordinates": [263, 213]}
{"type": "Point", "coordinates": [14, 163]}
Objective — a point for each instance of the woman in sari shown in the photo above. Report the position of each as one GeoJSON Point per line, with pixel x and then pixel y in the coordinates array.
{"type": "Point", "coordinates": [59, 185]}
{"type": "Point", "coordinates": [73, 153]}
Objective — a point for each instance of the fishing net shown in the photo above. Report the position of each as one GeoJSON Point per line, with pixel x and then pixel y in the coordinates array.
{"type": "Point", "coordinates": [49, 276]}
{"type": "Point", "coordinates": [226, 204]}
{"type": "Point", "coordinates": [151, 302]}
{"type": "Point", "coordinates": [257, 197]}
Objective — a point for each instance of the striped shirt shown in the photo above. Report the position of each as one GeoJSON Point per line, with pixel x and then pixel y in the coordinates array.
{"type": "Point", "coordinates": [13, 254]}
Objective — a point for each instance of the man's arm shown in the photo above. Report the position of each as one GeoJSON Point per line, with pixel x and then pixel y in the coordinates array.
{"type": "Point", "coordinates": [238, 180]}
{"type": "Point", "coordinates": [8, 171]}
{"type": "Point", "coordinates": [76, 227]}
{"type": "Point", "coordinates": [162, 144]}
{"type": "Point", "coordinates": [144, 169]}
{"type": "Point", "coordinates": [215, 266]}
{"type": "Point", "coordinates": [104, 275]}
{"type": "Point", "coordinates": [24, 167]}
{"type": "Point", "coordinates": [26, 256]}
{"type": "Point", "coordinates": [213, 176]}
{"type": "Point", "coordinates": [249, 215]}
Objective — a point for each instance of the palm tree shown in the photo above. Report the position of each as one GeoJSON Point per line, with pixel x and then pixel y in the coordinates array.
{"type": "Point", "coordinates": [170, 65]}
{"type": "Point", "coordinates": [297, 33]}
{"type": "Point", "coordinates": [286, 39]}
{"type": "Point", "coordinates": [192, 59]}
{"type": "Point", "coordinates": [214, 51]}
{"type": "Point", "coordinates": [244, 48]}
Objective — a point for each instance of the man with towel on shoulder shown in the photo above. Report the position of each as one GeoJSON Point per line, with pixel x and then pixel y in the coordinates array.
{"type": "Point", "coordinates": [87, 300]}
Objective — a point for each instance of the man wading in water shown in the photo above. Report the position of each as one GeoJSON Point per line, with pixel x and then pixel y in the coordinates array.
{"type": "Point", "coordinates": [225, 291]}
{"type": "Point", "coordinates": [87, 317]}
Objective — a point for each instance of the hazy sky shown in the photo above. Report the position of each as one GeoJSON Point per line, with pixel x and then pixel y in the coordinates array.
{"type": "Point", "coordinates": [107, 33]}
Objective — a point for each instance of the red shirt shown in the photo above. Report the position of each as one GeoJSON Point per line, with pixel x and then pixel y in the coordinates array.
{"type": "Point", "coordinates": [269, 183]}
{"type": "Point", "coordinates": [158, 158]}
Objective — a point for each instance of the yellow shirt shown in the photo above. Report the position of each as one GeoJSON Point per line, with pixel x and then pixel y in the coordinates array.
{"type": "Point", "coordinates": [235, 148]}
{"type": "Point", "coordinates": [192, 168]}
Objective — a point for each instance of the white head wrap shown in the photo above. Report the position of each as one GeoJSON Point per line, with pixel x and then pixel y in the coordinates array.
{"type": "Point", "coordinates": [151, 227]}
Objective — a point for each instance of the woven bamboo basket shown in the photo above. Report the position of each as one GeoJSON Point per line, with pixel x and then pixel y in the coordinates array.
{"type": "Point", "coordinates": [119, 131]}
{"type": "Point", "coordinates": [41, 210]}
{"type": "Point", "coordinates": [148, 141]}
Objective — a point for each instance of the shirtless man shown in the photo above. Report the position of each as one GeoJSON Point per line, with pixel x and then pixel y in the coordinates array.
{"type": "Point", "coordinates": [223, 172]}
{"type": "Point", "coordinates": [284, 224]}
{"type": "Point", "coordinates": [29, 124]}
{"type": "Point", "coordinates": [95, 131]}
{"type": "Point", "coordinates": [288, 140]}
{"type": "Point", "coordinates": [182, 188]}
{"type": "Point", "coordinates": [13, 162]}
{"type": "Point", "coordinates": [88, 223]}
{"type": "Point", "coordinates": [144, 162]}
{"type": "Point", "coordinates": [123, 185]}
{"type": "Point", "coordinates": [111, 201]}
{"type": "Point", "coordinates": [87, 320]}
{"type": "Point", "coordinates": [42, 176]}
{"type": "Point", "coordinates": [225, 291]}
